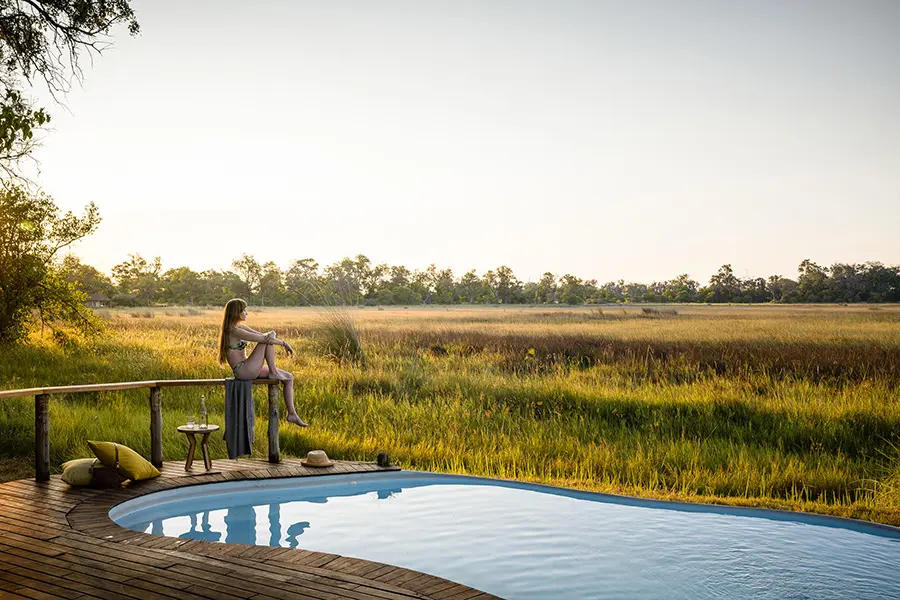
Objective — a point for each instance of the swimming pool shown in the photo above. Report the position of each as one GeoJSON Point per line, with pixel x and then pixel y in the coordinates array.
{"type": "Point", "coordinates": [531, 541]}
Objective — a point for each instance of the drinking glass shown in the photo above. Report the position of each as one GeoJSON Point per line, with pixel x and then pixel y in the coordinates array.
{"type": "Point", "coordinates": [190, 420]}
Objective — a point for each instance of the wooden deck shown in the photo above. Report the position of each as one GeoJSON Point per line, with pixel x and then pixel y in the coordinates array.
{"type": "Point", "coordinates": [59, 542]}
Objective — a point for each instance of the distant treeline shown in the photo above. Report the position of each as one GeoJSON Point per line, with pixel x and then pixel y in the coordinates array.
{"type": "Point", "coordinates": [357, 281]}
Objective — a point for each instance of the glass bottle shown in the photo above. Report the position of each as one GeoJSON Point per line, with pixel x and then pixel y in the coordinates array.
{"type": "Point", "coordinates": [204, 420]}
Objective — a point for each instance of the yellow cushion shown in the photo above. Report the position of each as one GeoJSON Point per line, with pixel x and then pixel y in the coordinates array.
{"type": "Point", "coordinates": [131, 464]}
{"type": "Point", "coordinates": [78, 471]}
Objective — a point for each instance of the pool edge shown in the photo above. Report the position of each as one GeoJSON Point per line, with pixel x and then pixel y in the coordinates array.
{"type": "Point", "coordinates": [860, 525]}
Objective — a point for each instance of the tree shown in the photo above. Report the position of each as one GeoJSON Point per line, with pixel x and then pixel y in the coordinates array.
{"type": "Point", "coordinates": [571, 289]}
{"type": "Point", "coordinates": [753, 290]}
{"type": "Point", "coordinates": [681, 289]}
{"type": "Point", "coordinates": [469, 287]}
{"type": "Point", "coordinates": [429, 277]}
{"type": "Point", "coordinates": [219, 287]}
{"type": "Point", "coordinates": [508, 285]}
{"type": "Point", "coordinates": [250, 272]}
{"type": "Point", "coordinates": [384, 296]}
{"type": "Point", "coordinates": [404, 295]}
{"type": "Point", "coordinates": [489, 284]}
{"type": "Point", "coordinates": [399, 276]}
{"type": "Point", "coordinates": [502, 284]}
{"type": "Point", "coordinates": [31, 283]}
{"type": "Point", "coordinates": [45, 38]}
{"type": "Point", "coordinates": [302, 281]}
{"type": "Point", "coordinates": [812, 282]}
{"type": "Point", "coordinates": [612, 291]}
{"type": "Point", "coordinates": [846, 284]}
{"type": "Point", "coordinates": [369, 277]}
{"type": "Point", "coordinates": [443, 285]}
{"type": "Point", "coordinates": [420, 284]}
{"type": "Point", "coordinates": [545, 292]}
{"type": "Point", "coordinates": [779, 288]}
{"type": "Point", "coordinates": [634, 292]}
{"type": "Point", "coordinates": [86, 278]}
{"type": "Point", "coordinates": [724, 286]}
{"type": "Point", "coordinates": [343, 280]}
{"type": "Point", "coordinates": [139, 277]}
{"type": "Point", "coordinates": [181, 286]}
{"type": "Point", "coordinates": [882, 283]}
{"type": "Point", "coordinates": [270, 283]}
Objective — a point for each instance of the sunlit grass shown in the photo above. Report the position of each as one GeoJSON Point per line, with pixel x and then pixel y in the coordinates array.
{"type": "Point", "coordinates": [784, 407]}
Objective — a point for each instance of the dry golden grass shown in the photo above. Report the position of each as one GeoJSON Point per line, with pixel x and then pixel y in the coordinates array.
{"type": "Point", "coordinates": [788, 407]}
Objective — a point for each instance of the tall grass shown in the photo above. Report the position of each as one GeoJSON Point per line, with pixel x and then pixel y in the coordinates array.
{"type": "Point", "coordinates": [336, 335]}
{"type": "Point", "coordinates": [746, 405]}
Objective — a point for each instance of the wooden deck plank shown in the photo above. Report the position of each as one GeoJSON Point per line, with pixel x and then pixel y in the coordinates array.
{"type": "Point", "coordinates": [83, 562]}
{"type": "Point", "coordinates": [118, 551]}
{"type": "Point", "coordinates": [246, 584]}
{"type": "Point", "coordinates": [19, 541]}
{"type": "Point", "coordinates": [25, 579]}
{"type": "Point", "coordinates": [38, 513]}
{"type": "Point", "coordinates": [378, 588]}
{"type": "Point", "coordinates": [161, 587]}
{"type": "Point", "coordinates": [8, 587]}
{"type": "Point", "coordinates": [38, 595]}
{"type": "Point", "coordinates": [41, 502]}
{"type": "Point", "coordinates": [458, 592]}
{"type": "Point", "coordinates": [214, 594]}
{"type": "Point", "coordinates": [115, 587]}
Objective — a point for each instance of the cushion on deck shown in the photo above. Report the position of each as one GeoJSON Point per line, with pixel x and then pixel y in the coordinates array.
{"type": "Point", "coordinates": [131, 464]}
{"type": "Point", "coordinates": [79, 471]}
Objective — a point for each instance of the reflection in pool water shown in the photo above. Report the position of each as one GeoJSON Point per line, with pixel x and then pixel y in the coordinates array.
{"type": "Point", "coordinates": [241, 523]}
{"type": "Point", "coordinates": [527, 541]}
{"type": "Point", "coordinates": [293, 532]}
{"type": "Point", "coordinates": [206, 533]}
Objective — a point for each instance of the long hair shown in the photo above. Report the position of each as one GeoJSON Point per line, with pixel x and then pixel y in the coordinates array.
{"type": "Point", "coordinates": [233, 310]}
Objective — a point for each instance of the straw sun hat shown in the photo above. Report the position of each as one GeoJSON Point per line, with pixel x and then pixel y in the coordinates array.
{"type": "Point", "coordinates": [316, 458]}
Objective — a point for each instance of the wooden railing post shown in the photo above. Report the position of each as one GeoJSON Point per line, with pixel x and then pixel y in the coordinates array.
{"type": "Point", "coordinates": [274, 456]}
{"type": "Point", "coordinates": [156, 457]}
{"type": "Point", "coordinates": [42, 437]}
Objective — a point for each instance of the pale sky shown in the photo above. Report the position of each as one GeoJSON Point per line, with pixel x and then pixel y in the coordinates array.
{"type": "Point", "coordinates": [633, 140]}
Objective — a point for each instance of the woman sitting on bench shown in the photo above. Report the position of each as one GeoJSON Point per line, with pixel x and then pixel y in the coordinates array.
{"type": "Point", "coordinates": [232, 342]}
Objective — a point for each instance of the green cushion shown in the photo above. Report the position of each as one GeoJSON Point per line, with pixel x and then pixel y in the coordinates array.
{"type": "Point", "coordinates": [131, 464]}
{"type": "Point", "coordinates": [79, 471]}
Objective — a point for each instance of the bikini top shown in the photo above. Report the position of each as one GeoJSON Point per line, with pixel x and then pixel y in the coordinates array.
{"type": "Point", "coordinates": [239, 346]}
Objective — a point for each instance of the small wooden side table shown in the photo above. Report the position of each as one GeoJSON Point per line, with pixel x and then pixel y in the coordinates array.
{"type": "Point", "coordinates": [191, 432]}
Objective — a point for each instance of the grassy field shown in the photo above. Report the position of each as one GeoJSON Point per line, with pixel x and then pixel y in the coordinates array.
{"type": "Point", "coordinates": [785, 407]}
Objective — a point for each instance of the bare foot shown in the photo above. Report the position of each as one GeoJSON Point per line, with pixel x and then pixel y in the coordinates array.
{"type": "Point", "coordinates": [277, 376]}
{"type": "Point", "coordinates": [296, 420]}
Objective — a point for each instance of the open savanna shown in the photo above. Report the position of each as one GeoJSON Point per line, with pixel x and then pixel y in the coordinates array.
{"type": "Point", "coordinates": [791, 407]}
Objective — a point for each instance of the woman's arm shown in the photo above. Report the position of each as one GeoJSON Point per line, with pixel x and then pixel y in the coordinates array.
{"type": "Point", "coordinates": [250, 329]}
{"type": "Point", "coordinates": [276, 342]}
{"type": "Point", "coordinates": [245, 333]}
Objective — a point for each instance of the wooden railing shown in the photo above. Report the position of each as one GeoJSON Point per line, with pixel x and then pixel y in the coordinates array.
{"type": "Point", "coordinates": [42, 414]}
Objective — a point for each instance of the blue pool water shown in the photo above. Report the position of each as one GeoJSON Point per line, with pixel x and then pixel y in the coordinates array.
{"type": "Point", "coordinates": [523, 541]}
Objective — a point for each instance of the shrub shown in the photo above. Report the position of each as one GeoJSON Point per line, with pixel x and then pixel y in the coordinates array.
{"type": "Point", "coordinates": [572, 299]}
{"type": "Point", "coordinates": [125, 300]}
